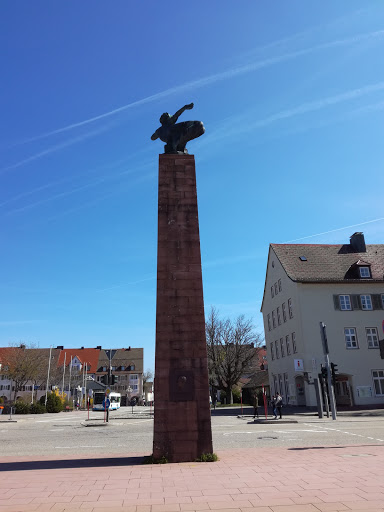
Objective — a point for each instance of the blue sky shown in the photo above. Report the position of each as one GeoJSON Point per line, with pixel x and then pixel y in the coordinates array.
{"type": "Point", "coordinates": [292, 98]}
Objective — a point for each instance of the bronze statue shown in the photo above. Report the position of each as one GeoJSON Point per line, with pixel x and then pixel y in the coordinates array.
{"type": "Point", "coordinates": [176, 135]}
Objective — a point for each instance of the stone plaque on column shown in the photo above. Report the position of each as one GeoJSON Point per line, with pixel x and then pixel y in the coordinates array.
{"type": "Point", "coordinates": [182, 419]}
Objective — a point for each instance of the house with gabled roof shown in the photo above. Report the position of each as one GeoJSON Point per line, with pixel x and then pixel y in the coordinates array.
{"type": "Point", "coordinates": [126, 367]}
{"type": "Point", "coordinates": [342, 286]}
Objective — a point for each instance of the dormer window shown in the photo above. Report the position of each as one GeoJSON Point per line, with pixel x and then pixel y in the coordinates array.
{"type": "Point", "coordinates": [365, 272]}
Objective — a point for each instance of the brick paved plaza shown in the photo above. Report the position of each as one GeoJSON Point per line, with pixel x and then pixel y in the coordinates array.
{"type": "Point", "coordinates": [264, 480]}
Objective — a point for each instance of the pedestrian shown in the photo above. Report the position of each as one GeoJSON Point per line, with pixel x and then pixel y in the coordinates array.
{"type": "Point", "coordinates": [278, 404]}
{"type": "Point", "coordinates": [255, 406]}
{"type": "Point", "coordinates": [273, 405]}
{"type": "Point", "coordinates": [214, 401]}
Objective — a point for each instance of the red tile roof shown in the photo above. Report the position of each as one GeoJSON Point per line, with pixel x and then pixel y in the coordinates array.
{"type": "Point", "coordinates": [90, 356]}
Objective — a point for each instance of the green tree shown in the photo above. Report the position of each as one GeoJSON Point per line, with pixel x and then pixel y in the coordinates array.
{"type": "Point", "coordinates": [54, 403]}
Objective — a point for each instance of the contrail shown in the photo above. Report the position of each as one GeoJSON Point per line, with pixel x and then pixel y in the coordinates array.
{"type": "Point", "coordinates": [80, 188]}
{"type": "Point", "coordinates": [52, 149]}
{"type": "Point", "coordinates": [208, 80]}
{"type": "Point", "coordinates": [334, 230]}
{"type": "Point", "coordinates": [236, 125]}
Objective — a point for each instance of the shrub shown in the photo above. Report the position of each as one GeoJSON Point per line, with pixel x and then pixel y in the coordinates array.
{"type": "Point", "coordinates": [54, 403]}
{"type": "Point", "coordinates": [151, 460]}
{"type": "Point", "coordinates": [236, 392]}
{"type": "Point", "coordinates": [37, 408]}
{"type": "Point", "coordinates": [21, 407]}
{"type": "Point", "coordinates": [208, 457]}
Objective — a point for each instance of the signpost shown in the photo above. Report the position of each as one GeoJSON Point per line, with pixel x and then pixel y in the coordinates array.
{"type": "Point", "coordinates": [265, 403]}
{"type": "Point", "coordinates": [332, 401]}
{"type": "Point", "coordinates": [106, 404]}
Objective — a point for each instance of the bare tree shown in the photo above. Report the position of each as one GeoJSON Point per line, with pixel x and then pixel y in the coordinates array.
{"type": "Point", "coordinates": [232, 350]}
{"type": "Point", "coordinates": [147, 375]}
{"type": "Point", "coordinates": [22, 366]}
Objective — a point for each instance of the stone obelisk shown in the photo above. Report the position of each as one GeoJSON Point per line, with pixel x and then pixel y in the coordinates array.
{"type": "Point", "coordinates": [182, 420]}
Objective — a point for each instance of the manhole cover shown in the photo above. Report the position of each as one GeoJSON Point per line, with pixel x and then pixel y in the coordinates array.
{"type": "Point", "coordinates": [267, 437]}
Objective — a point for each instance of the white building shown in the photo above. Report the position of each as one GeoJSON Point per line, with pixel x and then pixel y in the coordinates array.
{"type": "Point", "coordinates": [342, 286]}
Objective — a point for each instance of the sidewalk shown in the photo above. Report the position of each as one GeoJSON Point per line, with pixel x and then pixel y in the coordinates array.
{"type": "Point", "coordinates": [262, 480]}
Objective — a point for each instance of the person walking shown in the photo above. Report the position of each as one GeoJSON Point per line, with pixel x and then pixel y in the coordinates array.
{"type": "Point", "coordinates": [273, 405]}
{"type": "Point", "coordinates": [278, 404]}
{"type": "Point", "coordinates": [255, 406]}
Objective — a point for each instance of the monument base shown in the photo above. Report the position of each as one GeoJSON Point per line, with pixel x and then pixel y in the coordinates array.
{"type": "Point", "coordinates": [182, 421]}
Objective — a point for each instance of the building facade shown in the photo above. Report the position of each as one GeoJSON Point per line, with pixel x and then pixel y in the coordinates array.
{"type": "Point", "coordinates": [342, 286]}
{"type": "Point", "coordinates": [70, 370]}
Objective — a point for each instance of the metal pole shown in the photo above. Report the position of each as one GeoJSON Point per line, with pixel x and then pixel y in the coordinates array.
{"type": "Point", "coordinates": [318, 398]}
{"type": "Point", "coordinates": [49, 369]}
{"type": "Point", "coordinates": [65, 359]}
{"type": "Point", "coordinates": [85, 383]}
{"type": "Point", "coordinates": [330, 389]}
{"type": "Point", "coordinates": [82, 387]}
{"type": "Point", "coordinates": [70, 378]}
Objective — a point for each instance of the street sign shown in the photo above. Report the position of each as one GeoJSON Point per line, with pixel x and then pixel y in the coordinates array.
{"type": "Point", "coordinates": [107, 391]}
{"type": "Point", "coordinates": [106, 403]}
{"type": "Point", "coordinates": [299, 365]}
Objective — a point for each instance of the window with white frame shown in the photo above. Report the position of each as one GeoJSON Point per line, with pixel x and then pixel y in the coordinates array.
{"type": "Point", "coordinates": [269, 322]}
{"type": "Point", "coordinates": [272, 351]}
{"type": "Point", "coordinates": [279, 283]}
{"type": "Point", "coordinates": [290, 310]}
{"type": "Point", "coordinates": [288, 345]}
{"type": "Point", "coordinates": [284, 310]}
{"type": "Point", "coordinates": [365, 272]}
{"type": "Point", "coordinates": [135, 387]}
{"type": "Point", "coordinates": [372, 337]}
{"type": "Point", "coordinates": [282, 347]}
{"type": "Point", "coordinates": [273, 319]}
{"type": "Point", "coordinates": [366, 302]}
{"type": "Point", "coordinates": [277, 350]}
{"type": "Point", "coordinates": [294, 346]}
{"type": "Point", "coordinates": [104, 368]}
{"type": "Point", "coordinates": [378, 382]}
{"type": "Point", "coordinates": [350, 337]}
{"type": "Point", "coordinates": [278, 316]}
{"type": "Point", "coordinates": [122, 368]}
{"type": "Point", "coordinates": [345, 302]}
{"type": "Point", "coordinates": [133, 377]}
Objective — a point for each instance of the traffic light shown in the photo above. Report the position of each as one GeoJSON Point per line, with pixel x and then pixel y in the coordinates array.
{"type": "Point", "coordinates": [334, 372]}
{"type": "Point", "coordinates": [104, 379]}
{"type": "Point", "coordinates": [324, 372]}
{"type": "Point", "coordinates": [115, 379]}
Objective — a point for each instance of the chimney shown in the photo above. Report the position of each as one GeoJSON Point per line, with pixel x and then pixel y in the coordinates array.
{"type": "Point", "coordinates": [60, 347]}
{"type": "Point", "coordinates": [82, 348]}
{"type": "Point", "coordinates": [98, 347]}
{"type": "Point", "coordinates": [357, 242]}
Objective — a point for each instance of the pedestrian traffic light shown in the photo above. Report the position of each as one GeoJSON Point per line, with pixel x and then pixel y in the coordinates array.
{"type": "Point", "coordinates": [115, 379]}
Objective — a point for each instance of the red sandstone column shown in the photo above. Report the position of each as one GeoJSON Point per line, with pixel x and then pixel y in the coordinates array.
{"type": "Point", "coordinates": [182, 426]}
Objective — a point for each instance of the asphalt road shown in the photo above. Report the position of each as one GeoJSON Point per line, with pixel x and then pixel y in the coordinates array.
{"type": "Point", "coordinates": [70, 433]}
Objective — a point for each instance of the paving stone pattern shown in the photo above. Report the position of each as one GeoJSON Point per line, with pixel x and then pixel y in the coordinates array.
{"type": "Point", "coordinates": [260, 480]}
